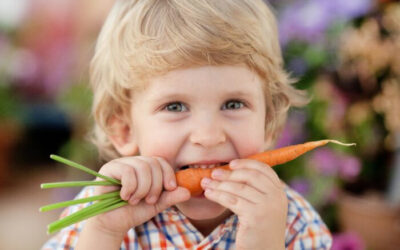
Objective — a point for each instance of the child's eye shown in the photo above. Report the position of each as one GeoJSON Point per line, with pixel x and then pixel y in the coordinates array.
{"type": "Point", "coordinates": [175, 107]}
{"type": "Point", "coordinates": [233, 104]}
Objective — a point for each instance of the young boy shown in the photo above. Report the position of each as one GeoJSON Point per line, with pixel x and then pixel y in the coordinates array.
{"type": "Point", "coordinates": [192, 84]}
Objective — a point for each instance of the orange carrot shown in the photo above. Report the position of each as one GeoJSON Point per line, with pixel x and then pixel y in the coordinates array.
{"type": "Point", "coordinates": [190, 178]}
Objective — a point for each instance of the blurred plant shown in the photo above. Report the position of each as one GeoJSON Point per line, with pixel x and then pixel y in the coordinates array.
{"type": "Point", "coordinates": [76, 101]}
{"type": "Point", "coordinates": [388, 103]}
{"type": "Point", "coordinates": [10, 108]}
{"type": "Point", "coordinates": [346, 54]}
{"type": "Point", "coordinates": [41, 65]}
{"type": "Point", "coordinates": [310, 20]}
{"type": "Point", "coordinates": [45, 65]}
{"type": "Point", "coordinates": [309, 30]}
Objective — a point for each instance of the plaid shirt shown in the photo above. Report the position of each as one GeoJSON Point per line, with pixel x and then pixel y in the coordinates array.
{"type": "Point", "coordinates": [170, 229]}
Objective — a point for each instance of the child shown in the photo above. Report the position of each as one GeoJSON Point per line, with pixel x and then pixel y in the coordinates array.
{"type": "Point", "coordinates": [192, 84]}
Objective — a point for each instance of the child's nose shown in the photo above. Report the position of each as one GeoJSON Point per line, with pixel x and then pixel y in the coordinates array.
{"type": "Point", "coordinates": [207, 134]}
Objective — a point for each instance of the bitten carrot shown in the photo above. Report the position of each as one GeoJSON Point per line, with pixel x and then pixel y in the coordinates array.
{"type": "Point", "coordinates": [191, 178]}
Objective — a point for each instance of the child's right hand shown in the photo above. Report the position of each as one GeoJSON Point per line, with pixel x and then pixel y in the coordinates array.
{"type": "Point", "coordinates": [148, 184]}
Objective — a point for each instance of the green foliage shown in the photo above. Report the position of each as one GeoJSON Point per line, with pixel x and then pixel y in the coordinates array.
{"type": "Point", "coordinates": [10, 107]}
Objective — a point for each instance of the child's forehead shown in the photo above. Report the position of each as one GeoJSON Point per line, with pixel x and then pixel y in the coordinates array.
{"type": "Point", "coordinates": [206, 74]}
{"type": "Point", "coordinates": [205, 80]}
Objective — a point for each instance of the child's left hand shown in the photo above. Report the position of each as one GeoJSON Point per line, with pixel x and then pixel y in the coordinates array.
{"type": "Point", "coordinates": [254, 192]}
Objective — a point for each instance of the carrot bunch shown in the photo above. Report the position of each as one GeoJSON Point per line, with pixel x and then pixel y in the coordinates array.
{"type": "Point", "coordinates": [188, 178]}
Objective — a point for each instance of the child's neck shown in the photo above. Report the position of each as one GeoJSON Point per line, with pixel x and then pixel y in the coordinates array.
{"type": "Point", "coordinates": [205, 227]}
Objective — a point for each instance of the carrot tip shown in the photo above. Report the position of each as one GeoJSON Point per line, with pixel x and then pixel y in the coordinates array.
{"type": "Point", "coordinates": [341, 143]}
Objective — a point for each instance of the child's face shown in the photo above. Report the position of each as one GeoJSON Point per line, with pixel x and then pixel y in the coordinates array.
{"type": "Point", "coordinates": [200, 115]}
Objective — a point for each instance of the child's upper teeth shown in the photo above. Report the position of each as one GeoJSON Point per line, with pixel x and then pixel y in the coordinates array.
{"type": "Point", "coordinates": [204, 165]}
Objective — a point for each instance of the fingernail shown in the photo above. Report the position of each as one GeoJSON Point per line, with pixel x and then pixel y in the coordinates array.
{"type": "Point", "coordinates": [217, 173]}
{"type": "Point", "coordinates": [207, 191]}
{"type": "Point", "coordinates": [233, 163]}
{"type": "Point", "coordinates": [205, 181]}
{"type": "Point", "coordinates": [126, 197]}
{"type": "Point", "coordinates": [134, 201]}
{"type": "Point", "coordinates": [172, 184]}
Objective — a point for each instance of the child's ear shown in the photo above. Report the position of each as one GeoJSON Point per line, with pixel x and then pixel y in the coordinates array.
{"type": "Point", "coordinates": [121, 137]}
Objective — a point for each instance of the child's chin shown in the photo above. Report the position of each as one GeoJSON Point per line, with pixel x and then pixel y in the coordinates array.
{"type": "Point", "coordinates": [199, 208]}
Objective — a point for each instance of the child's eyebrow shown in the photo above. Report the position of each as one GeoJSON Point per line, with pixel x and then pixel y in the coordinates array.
{"type": "Point", "coordinates": [245, 94]}
{"type": "Point", "coordinates": [240, 93]}
{"type": "Point", "coordinates": [186, 96]}
{"type": "Point", "coordinates": [169, 96]}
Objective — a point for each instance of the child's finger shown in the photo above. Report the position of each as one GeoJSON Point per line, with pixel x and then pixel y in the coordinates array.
{"type": "Point", "coordinates": [128, 181]}
{"type": "Point", "coordinates": [170, 198]}
{"type": "Point", "coordinates": [247, 176]}
{"type": "Point", "coordinates": [169, 178]}
{"type": "Point", "coordinates": [156, 180]}
{"type": "Point", "coordinates": [239, 189]}
{"type": "Point", "coordinates": [236, 204]}
{"type": "Point", "coordinates": [124, 172]}
{"type": "Point", "coordinates": [163, 174]}
{"type": "Point", "coordinates": [258, 166]}
{"type": "Point", "coordinates": [143, 177]}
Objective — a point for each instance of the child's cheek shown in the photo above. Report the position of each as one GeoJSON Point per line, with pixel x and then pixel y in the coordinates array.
{"type": "Point", "coordinates": [250, 143]}
{"type": "Point", "coordinates": [251, 149]}
{"type": "Point", "coordinates": [159, 144]}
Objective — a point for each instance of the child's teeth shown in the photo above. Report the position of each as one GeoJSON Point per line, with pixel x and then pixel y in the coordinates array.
{"type": "Point", "coordinates": [204, 166]}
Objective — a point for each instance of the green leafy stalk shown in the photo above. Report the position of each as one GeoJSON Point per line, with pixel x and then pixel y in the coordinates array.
{"type": "Point", "coordinates": [66, 184]}
{"type": "Point", "coordinates": [105, 202]}
{"type": "Point", "coordinates": [86, 210]}
{"type": "Point", "coordinates": [83, 168]}
{"type": "Point", "coordinates": [86, 213]}
{"type": "Point", "coordinates": [78, 201]}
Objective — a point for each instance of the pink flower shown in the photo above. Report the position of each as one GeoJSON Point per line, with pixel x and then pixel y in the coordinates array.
{"type": "Point", "coordinates": [302, 186]}
{"type": "Point", "coordinates": [330, 163]}
{"type": "Point", "coordinates": [325, 161]}
{"type": "Point", "coordinates": [348, 241]}
{"type": "Point", "coordinates": [350, 168]}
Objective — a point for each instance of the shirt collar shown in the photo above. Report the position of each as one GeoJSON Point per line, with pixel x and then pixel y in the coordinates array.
{"type": "Point", "coordinates": [225, 229]}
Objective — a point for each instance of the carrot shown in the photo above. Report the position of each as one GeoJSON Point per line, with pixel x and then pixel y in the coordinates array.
{"type": "Point", "coordinates": [190, 178]}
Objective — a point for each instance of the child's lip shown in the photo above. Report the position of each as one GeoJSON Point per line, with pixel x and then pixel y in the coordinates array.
{"type": "Point", "coordinates": [200, 196]}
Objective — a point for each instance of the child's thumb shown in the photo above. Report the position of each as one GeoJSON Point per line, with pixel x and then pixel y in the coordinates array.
{"type": "Point", "coordinates": [170, 198]}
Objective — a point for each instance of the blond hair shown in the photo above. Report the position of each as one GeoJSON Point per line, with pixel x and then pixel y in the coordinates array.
{"type": "Point", "coordinates": [142, 39]}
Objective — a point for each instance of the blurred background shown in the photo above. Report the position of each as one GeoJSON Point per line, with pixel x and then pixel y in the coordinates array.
{"type": "Point", "coordinates": [345, 53]}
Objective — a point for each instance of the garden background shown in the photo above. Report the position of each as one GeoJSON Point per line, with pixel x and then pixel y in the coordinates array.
{"type": "Point", "coordinates": [345, 53]}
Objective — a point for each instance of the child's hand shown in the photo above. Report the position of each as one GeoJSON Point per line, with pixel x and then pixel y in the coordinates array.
{"type": "Point", "coordinates": [142, 179]}
{"type": "Point", "coordinates": [255, 193]}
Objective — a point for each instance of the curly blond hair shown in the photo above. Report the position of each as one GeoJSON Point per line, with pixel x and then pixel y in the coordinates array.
{"type": "Point", "coordinates": [141, 39]}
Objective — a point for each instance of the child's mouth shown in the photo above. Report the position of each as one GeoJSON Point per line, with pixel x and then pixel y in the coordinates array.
{"type": "Point", "coordinates": [203, 166]}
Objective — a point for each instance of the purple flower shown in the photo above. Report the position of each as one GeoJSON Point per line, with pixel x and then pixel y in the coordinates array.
{"type": "Point", "coordinates": [285, 138]}
{"type": "Point", "coordinates": [293, 131]}
{"type": "Point", "coordinates": [25, 66]}
{"type": "Point", "coordinates": [346, 9]}
{"type": "Point", "coordinates": [58, 67]}
{"type": "Point", "coordinates": [331, 163]}
{"type": "Point", "coordinates": [302, 186]}
{"type": "Point", "coordinates": [308, 20]}
{"type": "Point", "coordinates": [350, 167]}
{"type": "Point", "coordinates": [348, 241]}
{"type": "Point", "coordinates": [325, 161]}
{"type": "Point", "coordinates": [305, 21]}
